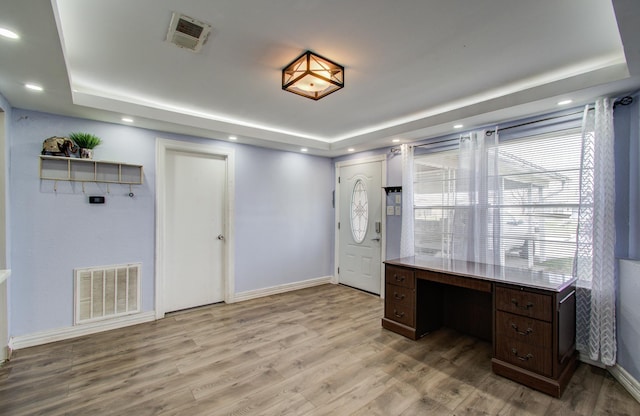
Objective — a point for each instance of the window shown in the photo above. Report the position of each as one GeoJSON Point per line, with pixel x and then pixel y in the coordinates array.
{"type": "Point", "coordinates": [535, 209]}
{"type": "Point", "coordinates": [359, 211]}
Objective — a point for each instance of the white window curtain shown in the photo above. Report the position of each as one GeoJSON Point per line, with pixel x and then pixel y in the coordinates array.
{"type": "Point", "coordinates": [407, 228]}
{"type": "Point", "coordinates": [532, 213]}
{"type": "Point", "coordinates": [595, 259]}
{"type": "Point", "coordinates": [476, 220]}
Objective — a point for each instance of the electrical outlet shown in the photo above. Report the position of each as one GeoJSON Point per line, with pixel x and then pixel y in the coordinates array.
{"type": "Point", "coordinates": [398, 210]}
{"type": "Point", "coordinates": [390, 210]}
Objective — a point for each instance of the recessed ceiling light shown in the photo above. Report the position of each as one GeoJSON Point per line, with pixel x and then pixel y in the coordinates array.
{"type": "Point", "coordinates": [395, 140]}
{"type": "Point", "coordinates": [8, 33]}
{"type": "Point", "coordinates": [351, 149]}
{"type": "Point", "coordinates": [304, 149]}
{"type": "Point", "coordinates": [127, 119]}
{"type": "Point", "coordinates": [458, 126]}
{"type": "Point", "coordinates": [565, 102]}
{"type": "Point", "coordinates": [233, 138]}
{"type": "Point", "coordinates": [34, 87]}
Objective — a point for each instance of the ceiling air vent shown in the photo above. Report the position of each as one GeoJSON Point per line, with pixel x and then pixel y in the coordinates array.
{"type": "Point", "coordinates": [188, 33]}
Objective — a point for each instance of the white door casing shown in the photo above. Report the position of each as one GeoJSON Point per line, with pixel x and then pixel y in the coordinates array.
{"type": "Point", "coordinates": [189, 221]}
{"type": "Point", "coordinates": [360, 244]}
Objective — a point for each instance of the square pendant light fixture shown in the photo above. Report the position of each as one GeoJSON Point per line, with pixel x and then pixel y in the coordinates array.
{"type": "Point", "coordinates": [312, 76]}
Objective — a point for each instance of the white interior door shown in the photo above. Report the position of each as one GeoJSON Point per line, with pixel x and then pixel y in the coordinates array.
{"type": "Point", "coordinates": [360, 222]}
{"type": "Point", "coordinates": [194, 227]}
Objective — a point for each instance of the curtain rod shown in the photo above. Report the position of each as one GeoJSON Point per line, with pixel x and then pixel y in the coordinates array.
{"type": "Point", "coordinates": [626, 100]}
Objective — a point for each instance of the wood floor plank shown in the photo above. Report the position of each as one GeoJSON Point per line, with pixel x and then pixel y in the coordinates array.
{"type": "Point", "coordinates": [526, 402]}
{"type": "Point", "coordinates": [425, 406]}
{"type": "Point", "coordinates": [316, 351]}
{"type": "Point", "coordinates": [272, 400]}
{"type": "Point", "coordinates": [348, 397]}
{"type": "Point", "coordinates": [395, 399]}
{"type": "Point", "coordinates": [489, 398]}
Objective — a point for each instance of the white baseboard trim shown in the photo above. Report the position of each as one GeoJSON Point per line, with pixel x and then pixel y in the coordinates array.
{"type": "Point", "coordinates": [274, 290]}
{"type": "Point", "coordinates": [45, 337]}
{"type": "Point", "coordinates": [628, 382]}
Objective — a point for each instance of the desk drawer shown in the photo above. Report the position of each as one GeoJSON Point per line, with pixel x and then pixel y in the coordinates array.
{"type": "Point", "coordinates": [523, 329]}
{"type": "Point", "coordinates": [454, 280]}
{"type": "Point", "coordinates": [524, 355]}
{"type": "Point", "coordinates": [399, 295]}
{"type": "Point", "coordinates": [400, 276]}
{"type": "Point", "coordinates": [522, 302]}
{"type": "Point", "coordinates": [399, 313]}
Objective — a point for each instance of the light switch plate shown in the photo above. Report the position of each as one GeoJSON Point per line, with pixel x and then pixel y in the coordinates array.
{"type": "Point", "coordinates": [390, 210]}
{"type": "Point", "coordinates": [398, 210]}
{"type": "Point", "coordinates": [398, 199]}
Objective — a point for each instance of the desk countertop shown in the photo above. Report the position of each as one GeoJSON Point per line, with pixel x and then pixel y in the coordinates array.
{"type": "Point", "coordinates": [499, 274]}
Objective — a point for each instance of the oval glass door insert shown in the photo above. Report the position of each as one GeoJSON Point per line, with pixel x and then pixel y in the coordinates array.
{"type": "Point", "coordinates": [359, 211]}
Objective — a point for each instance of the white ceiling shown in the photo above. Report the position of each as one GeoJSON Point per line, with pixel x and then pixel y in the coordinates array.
{"type": "Point", "coordinates": [413, 68]}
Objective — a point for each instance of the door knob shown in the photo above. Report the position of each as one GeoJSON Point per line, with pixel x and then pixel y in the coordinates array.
{"type": "Point", "coordinates": [375, 239]}
{"type": "Point", "coordinates": [220, 237]}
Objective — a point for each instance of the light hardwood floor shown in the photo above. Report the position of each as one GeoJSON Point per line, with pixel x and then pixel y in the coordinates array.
{"type": "Point", "coordinates": [317, 351]}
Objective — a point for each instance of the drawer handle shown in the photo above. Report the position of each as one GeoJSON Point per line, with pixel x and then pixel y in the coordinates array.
{"type": "Point", "coordinates": [521, 357]}
{"type": "Point", "coordinates": [398, 278]}
{"type": "Point", "coordinates": [515, 328]}
{"type": "Point", "coordinates": [525, 307]}
{"type": "Point", "coordinates": [398, 314]}
{"type": "Point", "coordinates": [398, 296]}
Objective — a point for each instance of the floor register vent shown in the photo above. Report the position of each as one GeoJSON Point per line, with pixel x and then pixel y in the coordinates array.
{"type": "Point", "coordinates": [106, 292]}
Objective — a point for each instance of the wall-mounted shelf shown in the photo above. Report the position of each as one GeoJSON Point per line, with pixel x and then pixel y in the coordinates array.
{"type": "Point", "coordinates": [388, 189]}
{"type": "Point", "coordinates": [88, 170]}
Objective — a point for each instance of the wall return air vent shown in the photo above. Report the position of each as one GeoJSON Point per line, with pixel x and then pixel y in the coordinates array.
{"type": "Point", "coordinates": [187, 32]}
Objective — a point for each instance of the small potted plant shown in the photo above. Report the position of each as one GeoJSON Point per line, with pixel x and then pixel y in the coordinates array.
{"type": "Point", "coordinates": [86, 142]}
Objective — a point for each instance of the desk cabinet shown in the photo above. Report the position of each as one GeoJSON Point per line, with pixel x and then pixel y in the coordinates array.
{"type": "Point", "coordinates": [400, 301]}
{"type": "Point", "coordinates": [401, 312]}
{"type": "Point", "coordinates": [534, 336]}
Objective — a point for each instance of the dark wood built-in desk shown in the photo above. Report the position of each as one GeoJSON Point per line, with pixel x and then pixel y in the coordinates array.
{"type": "Point", "coordinates": [528, 316]}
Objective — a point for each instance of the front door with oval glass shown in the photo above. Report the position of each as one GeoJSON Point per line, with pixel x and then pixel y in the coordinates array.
{"type": "Point", "coordinates": [360, 233]}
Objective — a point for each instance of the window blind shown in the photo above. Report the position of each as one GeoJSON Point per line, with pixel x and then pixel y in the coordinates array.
{"type": "Point", "coordinates": [538, 208]}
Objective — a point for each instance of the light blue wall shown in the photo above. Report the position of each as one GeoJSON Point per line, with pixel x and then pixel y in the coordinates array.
{"type": "Point", "coordinates": [627, 216]}
{"type": "Point", "coordinates": [57, 230]}
{"type": "Point", "coordinates": [284, 218]}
